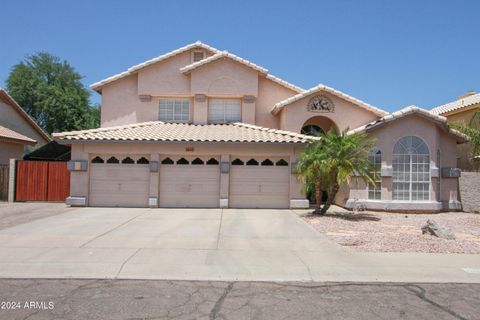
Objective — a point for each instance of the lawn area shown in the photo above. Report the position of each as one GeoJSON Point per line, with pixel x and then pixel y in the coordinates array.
{"type": "Point", "coordinates": [396, 232]}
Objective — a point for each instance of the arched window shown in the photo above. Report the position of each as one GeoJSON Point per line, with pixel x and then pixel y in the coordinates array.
{"type": "Point", "coordinates": [182, 161]}
{"type": "Point", "coordinates": [237, 162]}
{"type": "Point", "coordinates": [113, 160]}
{"type": "Point", "coordinates": [212, 161]}
{"type": "Point", "coordinates": [143, 160]}
{"type": "Point", "coordinates": [167, 161]}
{"type": "Point", "coordinates": [281, 163]}
{"type": "Point", "coordinates": [128, 160]}
{"type": "Point", "coordinates": [197, 161]}
{"type": "Point", "coordinates": [375, 189]}
{"type": "Point", "coordinates": [267, 162]}
{"type": "Point", "coordinates": [312, 130]}
{"type": "Point", "coordinates": [252, 162]}
{"type": "Point", "coordinates": [97, 159]}
{"type": "Point", "coordinates": [411, 170]}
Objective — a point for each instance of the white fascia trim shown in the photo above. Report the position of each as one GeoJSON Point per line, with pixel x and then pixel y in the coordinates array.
{"type": "Point", "coordinates": [220, 55]}
{"type": "Point", "coordinates": [137, 67]}
{"type": "Point", "coordinates": [321, 87]}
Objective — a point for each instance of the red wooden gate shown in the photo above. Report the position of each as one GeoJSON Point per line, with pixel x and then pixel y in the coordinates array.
{"type": "Point", "coordinates": [42, 181]}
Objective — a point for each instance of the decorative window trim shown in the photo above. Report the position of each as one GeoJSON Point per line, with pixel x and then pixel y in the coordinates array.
{"type": "Point", "coordinates": [128, 160]}
{"type": "Point", "coordinates": [182, 161]}
{"type": "Point", "coordinates": [267, 163]}
{"type": "Point", "coordinates": [112, 160]}
{"type": "Point", "coordinates": [197, 161]}
{"type": "Point", "coordinates": [237, 162]}
{"type": "Point", "coordinates": [143, 160]}
{"type": "Point", "coordinates": [97, 159]}
{"type": "Point", "coordinates": [167, 161]}
{"type": "Point", "coordinates": [320, 104]}
{"type": "Point", "coordinates": [212, 161]}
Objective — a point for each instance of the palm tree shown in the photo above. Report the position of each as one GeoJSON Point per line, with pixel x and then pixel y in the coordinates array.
{"type": "Point", "coordinates": [331, 161]}
{"type": "Point", "coordinates": [472, 130]}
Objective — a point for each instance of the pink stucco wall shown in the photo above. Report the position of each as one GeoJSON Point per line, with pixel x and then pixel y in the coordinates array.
{"type": "Point", "coordinates": [9, 151]}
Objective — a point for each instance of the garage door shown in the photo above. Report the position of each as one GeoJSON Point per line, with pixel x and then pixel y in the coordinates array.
{"type": "Point", "coordinates": [189, 182]}
{"type": "Point", "coordinates": [259, 183]}
{"type": "Point", "coordinates": [119, 181]}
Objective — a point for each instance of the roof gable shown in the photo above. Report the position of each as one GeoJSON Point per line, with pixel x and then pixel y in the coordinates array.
{"type": "Point", "coordinates": [8, 99]}
{"type": "Point", "coordinates": [98, 85]}
{"type": "Point", "coordinates": [323, 88]}
{"type": "Point", "coordinates": [13, 136]}
{"type": "Point", "coordinates": [408, 111]}
{"type": "Point", "coordinates": [219, 56]}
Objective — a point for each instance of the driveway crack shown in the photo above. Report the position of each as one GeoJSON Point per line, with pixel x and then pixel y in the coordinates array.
{"type": "Point", "coordinates": [305, 264]}
{"type": "Point", "coordinates": [125, 262]}
{"type": "Point", "coordinates": [218, 305]}
{"type": "Point", "coordinates": [113, 229]}
{"type": "Point", "coordinates": [219, 230]}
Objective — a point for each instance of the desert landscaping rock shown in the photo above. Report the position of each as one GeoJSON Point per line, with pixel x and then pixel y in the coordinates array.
{"type": "Point", "coordinates": [434, 229]}
{"type": "Point", "coordinates": [395, 232]}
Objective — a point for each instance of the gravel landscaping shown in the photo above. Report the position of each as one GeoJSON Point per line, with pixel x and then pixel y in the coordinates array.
{"type": "Point", "coordinates": [396, 232]}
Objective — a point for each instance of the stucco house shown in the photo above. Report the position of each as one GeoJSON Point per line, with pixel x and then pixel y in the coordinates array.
{"type": "Point", "coordinates": [461, 110]}
{"type": "Point", "coordinates": [19, 133]}
{"type": "Point", "coordinates": [200, 127]}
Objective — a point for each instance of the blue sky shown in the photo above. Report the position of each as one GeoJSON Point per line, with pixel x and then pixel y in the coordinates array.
{"type": "Point", "coordinates": [387, 53]}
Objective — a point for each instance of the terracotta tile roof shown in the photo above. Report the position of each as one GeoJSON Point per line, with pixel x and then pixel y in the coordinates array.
{"type": "Point", "coordinates": [442, 121]}
{"type": "Point", "coordinates": [8, 99]}
{"type": "Point", "coordinates": [280, 105]}
{"type": "Point", "coordinates": [133, 69]}
{"type": "Point", "coordinates": [9, 134]}
{"type": "Point", "coordinates": [223, 55]}
{"type": "Point", "coordinates": [181, 132]}
{"type": "Point", "coordinates": [458, 104]}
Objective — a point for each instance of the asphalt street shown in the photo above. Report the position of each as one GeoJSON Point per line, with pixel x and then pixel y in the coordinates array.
{"type": "Point", "coordinates": [157, 299]}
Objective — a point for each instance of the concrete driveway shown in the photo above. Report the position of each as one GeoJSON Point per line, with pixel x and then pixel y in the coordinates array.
{"type": "Point", "coordinates": [205, 244]}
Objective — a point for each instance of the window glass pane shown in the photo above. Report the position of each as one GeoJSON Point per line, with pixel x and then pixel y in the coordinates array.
{"type": "Point", "coordinates": [224, 110]}
{"type": "Point", "coordinates": [411, 170]}
{"type": "Point", "coordinates": [374, 189]}
{"type": "Point", "coordinates": [174, 110]}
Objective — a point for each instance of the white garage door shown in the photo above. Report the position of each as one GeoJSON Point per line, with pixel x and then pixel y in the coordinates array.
{"type": "Point", "coordinates": [119, 181]}
{"type": "Point", "coordinates": [259, 183]}
{"type": "Point", "coordinates": [189, 182]}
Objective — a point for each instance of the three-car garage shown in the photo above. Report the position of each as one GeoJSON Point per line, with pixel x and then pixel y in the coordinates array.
{"type": "Point", "coordinates": [189, 181]}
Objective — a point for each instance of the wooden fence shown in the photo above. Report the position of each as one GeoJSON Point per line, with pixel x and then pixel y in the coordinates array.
{"type": "Point", "coordinates": [42, 181]}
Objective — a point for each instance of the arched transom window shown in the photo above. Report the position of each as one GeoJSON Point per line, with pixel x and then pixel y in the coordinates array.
{"type": "Point", "coordinates": [411, 170]}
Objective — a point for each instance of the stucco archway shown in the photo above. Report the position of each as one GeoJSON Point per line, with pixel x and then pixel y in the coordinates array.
{"type": "Point", "coordinates": [313, 124]}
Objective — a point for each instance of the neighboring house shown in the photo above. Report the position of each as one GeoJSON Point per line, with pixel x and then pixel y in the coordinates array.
{"type": "Point", "coordinates": [461, 111]}
{"type": "Point", "coordinates": [19, 133]}
{"type": "Point", "coordinates": [199, 127]}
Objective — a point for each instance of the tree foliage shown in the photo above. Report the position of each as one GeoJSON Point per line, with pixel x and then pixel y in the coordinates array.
{"type": "Point", "coordinates": [472, 130]}
{"type": "Point", "coordinates": [333, 160]}
{"type": "Point", "coordinates": [51, 91]}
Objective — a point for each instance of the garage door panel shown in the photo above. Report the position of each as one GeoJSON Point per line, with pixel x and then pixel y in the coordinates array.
{"type": "Point", "coordinates": [259, 186]}
{"type": "Point", "coordinates": [194, 186]}
{"type": "Point", "coordinates": [122, 185]}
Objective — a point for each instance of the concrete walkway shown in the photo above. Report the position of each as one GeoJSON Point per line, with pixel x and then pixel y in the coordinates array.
{"type": "Point", "coordinates": [206, 244]}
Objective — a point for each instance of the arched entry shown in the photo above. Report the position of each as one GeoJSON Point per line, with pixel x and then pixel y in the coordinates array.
{"type": "Point", "coordinates": [318, 124]}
